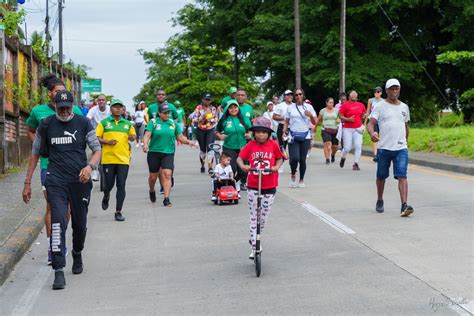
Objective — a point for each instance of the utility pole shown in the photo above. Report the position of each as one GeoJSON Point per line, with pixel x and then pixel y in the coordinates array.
{"type": "Point", "coordinates": [342, 49]}
{"type": "Point", "coordinates": [46, 30]}
{"type": "Point", "coordinates": [297, 45]}
{"type": "Point", "coordinates": [60, 21]}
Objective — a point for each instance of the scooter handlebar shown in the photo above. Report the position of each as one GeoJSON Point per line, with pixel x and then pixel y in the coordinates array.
{"type": "Point", "coordinates": [261, 169]}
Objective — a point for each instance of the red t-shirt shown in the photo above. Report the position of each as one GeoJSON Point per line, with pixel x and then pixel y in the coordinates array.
{"type": "Point", "coordinates": [262, 156]}
{"type": "Point", "coordinates": [350, 108]}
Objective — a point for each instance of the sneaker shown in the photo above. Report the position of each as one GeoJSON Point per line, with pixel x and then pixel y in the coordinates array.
{"type": "Point", "coordinates": [301, 184]}
{"type": "Point", "coordinates": [355, 167]}
{"type": "Point", "coordinates": [210, 171]}
{"type": "Point", "coordinates": [137, 145]}
{"type": "Point", "coordinates": [152, 196]}
{"type": "Point", "coordinates": [307, 156]}
{"type": "Point", "coordinates": [59, 280]}
{"type": "Point", "coordinates": [119, 217]}
{"type": "Point", "coordinates": [252, 255]}
{"type": "Point", "coordinates": [328, 162]}
{"type": "Point", "coordinates": [379, 206]}
{"type": "Point", "coordinates": [105, 201]}
{"type": "Point", "coordinates": [293, 184]}
{"type": "Point", "coordinates": [374, 159]}
{"type": "Point", "coordinates": [162, 191]}
{"type": "Point", "coordinates": [167, 203]}
{"type": "Point", "coordinates": [77, 266]}
{"type": "Point", "coordinates": [406, 210]}
{"type": "Point", "coordinates": [333, 158]}
{"type": "Point", "coordinates": [243, 187]}
{"type": "Point", "coordinates": [341, 163]}
{"type": "Point", "coordinates": [203, 169]}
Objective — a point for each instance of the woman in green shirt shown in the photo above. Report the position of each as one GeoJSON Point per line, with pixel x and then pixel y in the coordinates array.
{"type": "Point", "coordinates": [329, 118]}
{"type": "Point", "coordinates": [234, 130]}
{"type": "Point", "coordinates": [159, 142]}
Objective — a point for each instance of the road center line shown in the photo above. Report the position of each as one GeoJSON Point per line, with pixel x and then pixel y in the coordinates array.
{"type": "Point", "coordinates": [29, 297]}
{"type": "Point", "coordinates": [340, 227]}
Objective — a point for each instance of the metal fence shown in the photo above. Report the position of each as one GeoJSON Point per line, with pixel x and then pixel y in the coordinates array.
{"type": "Point", "coordinates": [20, 70]}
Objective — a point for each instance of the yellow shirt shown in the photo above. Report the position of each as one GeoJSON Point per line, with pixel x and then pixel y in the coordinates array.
{"type": "Point", "coordinates": [109, 129]}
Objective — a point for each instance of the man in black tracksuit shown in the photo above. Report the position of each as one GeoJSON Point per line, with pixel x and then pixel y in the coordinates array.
{"type": "Point", "coordinates": [63, 137]}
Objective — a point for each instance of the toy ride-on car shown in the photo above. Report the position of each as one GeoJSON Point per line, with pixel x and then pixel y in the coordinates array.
{"type": "Point", "coordinates": [226, 193]}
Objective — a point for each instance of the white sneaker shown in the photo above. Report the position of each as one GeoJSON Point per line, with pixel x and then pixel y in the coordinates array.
{"type": "Point", "coordinates": [252, 255]}
{"type": "Point", "coordinates": [301, 185]}
{"type": "Point", "coordinates": [137, 145]}
{"type": "Point", "coordinates": [293, 184]}
{"type": "Point", "coordinates": [213, 198]}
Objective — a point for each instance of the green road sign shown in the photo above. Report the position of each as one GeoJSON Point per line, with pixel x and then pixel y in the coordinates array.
{"type": "Point", "coordinates": [92, 85]}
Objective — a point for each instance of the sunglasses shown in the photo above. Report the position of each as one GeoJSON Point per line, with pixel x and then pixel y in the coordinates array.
{"type": "Point", "coordinates": [299, 94]}
{"type": "Point", "coordinates": [378, 92]}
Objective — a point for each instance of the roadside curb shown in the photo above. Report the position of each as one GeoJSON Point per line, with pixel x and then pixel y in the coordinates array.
{"type": "Point", "coordinates": [466, 167]}
{"type": "Point", "coordinates": [20, 241]}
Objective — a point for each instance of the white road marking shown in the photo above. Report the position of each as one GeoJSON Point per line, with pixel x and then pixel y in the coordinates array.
{"type": "Point", "coordinates": [340, 227]}
{"type": "Point", "coordinates": [29, 297]}
{"type": "Point", "coordinates": [462, 306]}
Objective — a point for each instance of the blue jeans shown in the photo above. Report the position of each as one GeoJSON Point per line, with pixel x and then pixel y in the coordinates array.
{"type": "Point", "coordinates": [400, 163]}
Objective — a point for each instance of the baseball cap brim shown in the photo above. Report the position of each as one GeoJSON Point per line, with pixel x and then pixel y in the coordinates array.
{"type": "Point", "coordinates": [64, 105]}
{"type": "Point", "coordinates": [260, 128]}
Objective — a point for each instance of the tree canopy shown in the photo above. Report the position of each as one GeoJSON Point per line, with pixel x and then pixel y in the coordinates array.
{"type": "Point", "coordinates": [385, 38]}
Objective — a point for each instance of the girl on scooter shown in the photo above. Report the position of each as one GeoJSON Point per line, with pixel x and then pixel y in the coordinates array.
{"type": "Point", "coordinates": [262, 152]}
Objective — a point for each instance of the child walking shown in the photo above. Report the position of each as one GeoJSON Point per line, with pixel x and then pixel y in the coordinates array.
{"type": "Point", "coordinates": [262, 152]}
{"type": "Point", "coordinates": [223, 174]}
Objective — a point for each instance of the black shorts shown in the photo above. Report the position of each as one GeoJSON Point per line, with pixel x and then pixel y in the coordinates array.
{"type": "Point", "coordinates": [327, 137]}
{"type": "Point", "coordinates": [157, 161]}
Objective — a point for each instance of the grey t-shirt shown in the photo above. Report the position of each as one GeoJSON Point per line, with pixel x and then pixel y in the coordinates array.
{"type": "Point", "coordinates": [391, 119]}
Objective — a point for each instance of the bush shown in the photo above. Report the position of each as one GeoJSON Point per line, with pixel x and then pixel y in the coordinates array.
{"type": "Point", "coordinates": [451, 120]}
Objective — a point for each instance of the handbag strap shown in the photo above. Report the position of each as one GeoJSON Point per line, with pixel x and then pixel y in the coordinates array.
{"type": "Point", "coordinates": [302, 116]}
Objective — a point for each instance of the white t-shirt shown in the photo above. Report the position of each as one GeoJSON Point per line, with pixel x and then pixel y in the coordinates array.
{"type": "Point", "coordinates": [280, 109]}
{"type": "Point", "coordinates": [269, 115]}
{"type": "Point", "coordinates": [391, 120]}
{"type": "Point", "coordinates": [139, 117]}
{"type": "Point", "coordinates": [222, 173]}
{"type": "Point", "coordinates": [299, 122]}
{"type": "Point", "coordinates": [96, 116]}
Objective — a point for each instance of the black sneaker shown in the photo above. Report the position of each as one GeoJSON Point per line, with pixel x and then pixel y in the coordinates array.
{"type": "Point", "coordinates": [119, 217]}
{"type": "Point", "coordinates": [77, 266]}
{"type": "Point", "coordinates": [379, 206]}
{"type": "Point", "coordinates": [167, 203]}
{"type": "Point", "coordinates": [341, 163]}
{"type": "Point", "coordinates": [105, 201]}
{"type": "Point", "coordinates": [153, 197]}
{"type": "Point", "coordinates": [203, 170]}
{"type": "Point", "coordinates": [210, 171]}
{"type": "Point", "coordinates": [327, 162]}
{"type": "Point", "coordinates": [406, 210]}
{"type": "Point", "coordinates": [333, 158]}
{"type": "Point", "coordinates": [355, 167]}
{"type": "Point", "coordinates": [59, 280]}
{"type": "Point", "coordinates": [243, 187]}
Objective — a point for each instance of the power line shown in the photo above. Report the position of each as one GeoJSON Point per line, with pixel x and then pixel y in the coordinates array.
{"type": "Point", "coordinates": [395, 27]}
{"type": "Point", "coordinates": [115, 42]}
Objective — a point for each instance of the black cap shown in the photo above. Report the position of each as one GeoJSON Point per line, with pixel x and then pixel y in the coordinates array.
{"type": "Point", "coordinates": [206, 96]}
{"type": "Point", "coordinates": [378, 89]}
{"type": "Point", "coordinates": [164, 108]}
{"type": "Point", "coordinates": [63, 99]}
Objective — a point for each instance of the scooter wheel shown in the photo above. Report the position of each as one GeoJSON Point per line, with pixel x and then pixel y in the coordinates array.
{"type": "Point", "coordinates": [258, 264]}
{"type": "Point", "coordinates": [236, 201]}
{"type": "Point", "coordinates": [220, 201]}
{"type": "Point", "coordinates": [215, 201]}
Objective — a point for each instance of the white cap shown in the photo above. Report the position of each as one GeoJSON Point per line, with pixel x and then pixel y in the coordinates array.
{"type": "Point", "coordinates": [288, 92]}
{"type": "Point", "coordinates": [392, 82]}
{"type": "Point", "coordinates": [269, 102]}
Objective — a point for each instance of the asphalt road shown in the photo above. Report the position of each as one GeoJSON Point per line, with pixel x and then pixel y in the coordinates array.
{"type": "Point", "coordinates": [326, 251]}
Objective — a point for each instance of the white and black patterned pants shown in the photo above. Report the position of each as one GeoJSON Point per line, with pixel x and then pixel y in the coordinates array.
{"type": "Point", "coordinates": [267, 202]}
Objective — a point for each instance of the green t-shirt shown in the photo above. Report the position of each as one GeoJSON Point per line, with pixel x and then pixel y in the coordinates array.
{"type": "Point", "coordinates": [225, 100]}
{"type": "Point", "coordinates": [38, 113]}
{"type": "Point", "coordinates": [235, 132]}
{"type": "Point", "coordinates": [153, 110]}
{"type": "Point", "coordinates": [247, 113]}
{"type": "Point", "coordinates": [329, 118]}
{"type": "Point", "coordinates": [180, 112]}
{"type": "Point", "coordinates": [163, 135]}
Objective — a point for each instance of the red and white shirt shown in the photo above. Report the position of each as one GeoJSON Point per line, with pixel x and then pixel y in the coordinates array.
{"type": "Point", "coordinates": [262, 156]}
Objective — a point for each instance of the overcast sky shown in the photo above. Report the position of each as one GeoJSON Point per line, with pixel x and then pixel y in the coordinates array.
{"type": "Point", "coordinates": [90, 24]}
